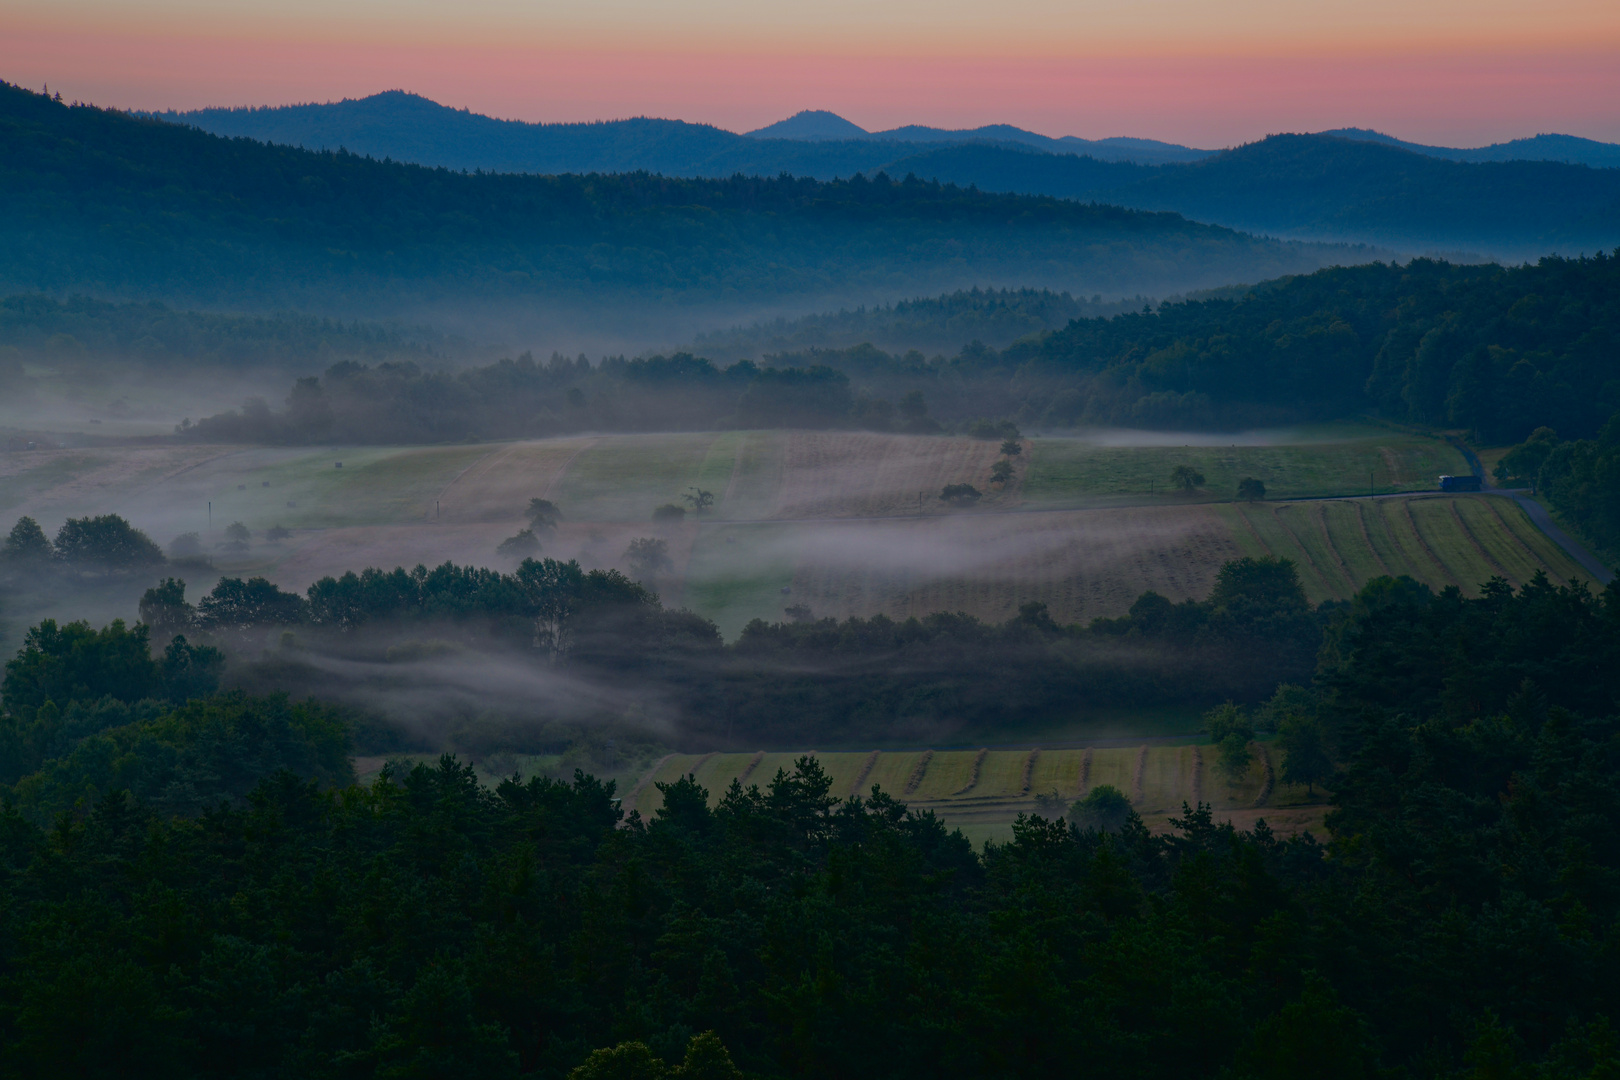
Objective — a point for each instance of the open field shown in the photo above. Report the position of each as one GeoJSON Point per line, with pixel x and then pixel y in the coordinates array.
{"type": "Point", "coordinates": [1331, 460]}
{"type": "Point", "coordinates": [983, 791]}
{"type": "Point", "coordinates": [841, 521]}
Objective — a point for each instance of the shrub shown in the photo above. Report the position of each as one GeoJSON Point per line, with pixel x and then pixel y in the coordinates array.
{"type": "Point", "coordinates": [1105, 808]}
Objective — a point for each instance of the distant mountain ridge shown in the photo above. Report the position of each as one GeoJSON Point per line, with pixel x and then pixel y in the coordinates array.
{"type": "Point", "coordinates": [818, 125]}
{"type": "Point", "coordinates": [1568, 149]}
{"type": "Point", "coordinates": [103, 203]}
{"type": "Point", "coordinates": [1353, 185]}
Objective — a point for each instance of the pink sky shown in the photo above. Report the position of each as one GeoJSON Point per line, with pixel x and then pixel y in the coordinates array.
{"type": "Point", "coordinates": [1463, 74]}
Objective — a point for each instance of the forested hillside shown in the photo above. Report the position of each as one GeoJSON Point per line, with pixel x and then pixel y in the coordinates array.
{"type": "Point", "coordinates": [102, 201]}
{"type": "Point", "coordinates": [84, 329]}
{"type": "Point", "coordinates": [1521, 200]}
{"type": "Point", "coordinates": [1496, 351]}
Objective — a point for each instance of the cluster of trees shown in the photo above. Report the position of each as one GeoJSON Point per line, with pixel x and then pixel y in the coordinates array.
{"type": "Point", "coordinates": [1496, 351]}
{"type": "Point", "coordinates": [105, 543]}
{"type": "Point", "coordinates": [1493, 350]}
{"type": "Point", "coordinates": [818, 679]}
{"type": "Point", "coordinates": [933, 324]}
{"type": "Point", "coordinates": [403, 402]}
{"type": "Point", "coordinates": [1459, 919]}
{"type": "Point", "coordinates": [1580, 477]}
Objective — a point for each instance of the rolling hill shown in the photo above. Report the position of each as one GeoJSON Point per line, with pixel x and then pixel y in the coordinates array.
{"type": "Point", "coordinates": [1323, 187]}
{"type": "Point", "coordinates": [101, 201]}
{"type": "Point", "coordinates": [1351, 185]}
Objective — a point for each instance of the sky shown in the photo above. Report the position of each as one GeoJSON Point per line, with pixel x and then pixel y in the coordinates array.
{"type": "Point", "coordinates": [1206, 73]}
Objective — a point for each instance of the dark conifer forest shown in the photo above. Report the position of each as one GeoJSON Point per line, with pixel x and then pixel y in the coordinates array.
{"type": "Point", "coordinates": [231, 905]}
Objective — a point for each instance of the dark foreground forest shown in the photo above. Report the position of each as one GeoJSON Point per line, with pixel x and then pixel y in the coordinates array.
{"type": "Point", "coordinates": [196, 887]}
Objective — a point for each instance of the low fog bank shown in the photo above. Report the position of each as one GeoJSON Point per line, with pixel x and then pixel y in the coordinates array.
{"type": "Point", "coordinates": [525, 662]}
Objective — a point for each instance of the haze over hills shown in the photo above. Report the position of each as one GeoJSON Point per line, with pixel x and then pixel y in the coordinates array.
{"type": "Point", "coordinates": [1353, 186]}
{"type": "Point", "coordinates": [818, 125]}
{"type": "Point", "coordinates": [107, 203]}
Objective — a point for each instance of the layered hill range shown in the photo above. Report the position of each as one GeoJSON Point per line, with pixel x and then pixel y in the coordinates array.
{"type": "Point", "coordinates": [1514, 200]}
{"type": "Point", "coordinates": [105, 203]}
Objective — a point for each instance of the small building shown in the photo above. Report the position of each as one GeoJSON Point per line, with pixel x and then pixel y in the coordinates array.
{"type": "Point", "coordinates": [1459, 483]}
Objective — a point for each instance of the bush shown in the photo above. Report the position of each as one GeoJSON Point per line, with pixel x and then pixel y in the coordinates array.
{"type": "Point", "coordinates": [1105, 808]}
{"type": "Point", "coordinates": [521, 546]}
{"type": "Point", "coordinates": [960, 494]}
{"type": "Point", "coordinates": [1187, 478]}
{"type": "Point", "coordinates": [185, 546]}
{"type": "Point", "coordinates": [669, 513]}
{"type": "Point", "coordinates": [1251, 490]}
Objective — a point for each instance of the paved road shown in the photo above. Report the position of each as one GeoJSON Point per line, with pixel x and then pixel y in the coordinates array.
{"type": "Point", "coordinates": [1539, 515]}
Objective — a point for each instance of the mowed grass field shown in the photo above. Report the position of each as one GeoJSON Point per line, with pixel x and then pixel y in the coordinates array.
{"type": "Point", "coordinates": [848, 523]}
{"type": "Point", "coordinates": [983, 791]}
{"type": "Point", "coordinates": [1315, 462]}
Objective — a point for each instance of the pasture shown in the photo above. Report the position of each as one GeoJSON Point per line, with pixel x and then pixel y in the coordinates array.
{"type": "Point", "coordinates": [1314, 462]}
{"type": "Point", "coordinates": [846, 523]}
{"type": "Point", "coordinates": [983, 791]}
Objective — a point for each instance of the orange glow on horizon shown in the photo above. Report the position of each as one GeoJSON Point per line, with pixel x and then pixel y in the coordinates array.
{"type": "Point", "coordinates": [1219, 94]}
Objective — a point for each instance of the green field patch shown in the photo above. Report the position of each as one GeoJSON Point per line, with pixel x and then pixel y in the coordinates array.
{"type": "Point", "coordinates": [1340, 461]}
{"type": "Point", "coordinates": [19, 487]}
{"type": "Point", "coordinates": [737, 572]}
{"type": "Point", "coordinates": [375, 486]}
{"type": "Point", "coordinates": [625, 478]}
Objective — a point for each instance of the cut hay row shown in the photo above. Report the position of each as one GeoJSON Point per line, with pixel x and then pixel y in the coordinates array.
{"type": "Point", "coordinates": [1438, 540]}
{"type": "Point", "coordinates": [915, 778]}
{"type": "Point", "coordinates": [1271, 777]}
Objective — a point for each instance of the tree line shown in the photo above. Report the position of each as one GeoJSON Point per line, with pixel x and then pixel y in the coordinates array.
{"type": "Point", "coordinates": [1496, 351]}
{"type": "Point", "coordinates": [220, 900]}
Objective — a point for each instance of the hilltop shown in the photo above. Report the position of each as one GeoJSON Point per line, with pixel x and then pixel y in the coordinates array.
{"type": "Point", "coordinates": [1516, 200]}
{"type": "Point", "coordinates": [105, 202]}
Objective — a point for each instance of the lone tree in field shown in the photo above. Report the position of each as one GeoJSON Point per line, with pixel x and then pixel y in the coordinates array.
{"type": "Point", "coordinates": [1012, 448]}
{"type": "Point", "coordinates": [1251, 490]}
{"type": "Point", "coordinates": [1187, 478]}
{"type": "Point", "coordinates": [521, 546]}
{"type": "Point", "coordinates": [1001, 472]}
{"type": "Point", "coordinates": [543, 516]}
{"type": "Point", "coordinates": [669, 514]}
{"type": "Point", "coordinates": [648, 557]}
{"type": "Point", "coordinates": [1305, 753]}
{"type": "Point", "coordinates": [238, 533]}
{"type": "Point", "coordinates": [699, 500]}
{"type": "Point", "coordinates": [1105, 808]}
{"type": "Point", "coordinates": [960, 494]}
{"type": "Point", "coordinates": [1232, 732]}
